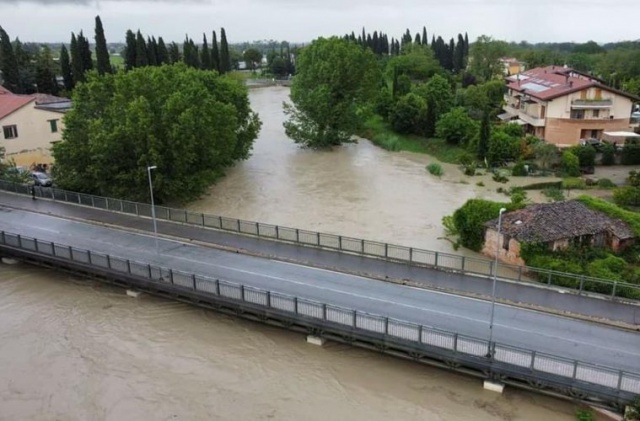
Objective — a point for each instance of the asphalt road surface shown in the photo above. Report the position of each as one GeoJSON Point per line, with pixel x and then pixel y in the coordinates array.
{"type": "Point", "coordinates": [556, 335]}
{"type": "Point", "coordinates": [513, 292]}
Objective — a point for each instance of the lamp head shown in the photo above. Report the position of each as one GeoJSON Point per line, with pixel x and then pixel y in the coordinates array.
{"type": "Point", "coordinates": [152, 168]}
{"type": "Point", "coordinates": [502, 210]}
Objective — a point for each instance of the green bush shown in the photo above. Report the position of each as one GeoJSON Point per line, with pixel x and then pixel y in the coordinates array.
{"type": "Point", "coordinates": [634, 178]}
{"type": "Point", "coordinates": [543, 185]}
{"type": "Point", "coordinates": [630, 218]}
{"type": "Point", "coordinates": [519, 170]}
{"type": "Point", "coordinates": [605, 183]}
{"type": "Point", "coordinates": [435, 169]}
{"type": "Point", "coordinates": [608, 155]}
{"type": "Point", "coordinates": [570, 164]}
{"type": "Point", "coordinates": [627, 196]}
{"type": "Point", "coordinates": [480, 184]}
{"type": "Point", "coordinates": [586, 155]}
{"type": "Point", "coordinates": [630, 154]}
{"type": "Point", "coordinates": [558, 264]}
{"type": "Point", "coordinates": [469, 220]}
{"type": "Point", "coordinates": [386, 141]}
{"type": "Point", "coordinates": [498, 177]}
{"type": "Point", "coordinates": [554, 194]}
{"type": "Point", "coordinates": [470, 169]}
{"type": "Point", "coordinates": [574, 184]}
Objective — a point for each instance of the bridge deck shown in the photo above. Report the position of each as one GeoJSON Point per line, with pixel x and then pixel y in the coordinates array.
{"type": "Point", "coordinates": [366, 266]}
{"type": "Point", "coordinates": [514, 326]}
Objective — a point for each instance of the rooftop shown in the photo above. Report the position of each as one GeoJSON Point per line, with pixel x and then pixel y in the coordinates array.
{"type": "Point", "coordinates": [547, 222]}
{"type": "Point", "coordinates": [10, 102]}
{"type": "Point", "coordinates": [551, 82]}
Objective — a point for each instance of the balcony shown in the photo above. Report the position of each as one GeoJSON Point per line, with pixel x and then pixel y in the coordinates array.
{"type": "Point", "coordinates": [534, 121]}
{"type": "Point", "coordinates": [584, 104]}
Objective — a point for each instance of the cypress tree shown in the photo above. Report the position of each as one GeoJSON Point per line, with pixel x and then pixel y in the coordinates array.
{"type": "Point", "coordinates": [459, 55]}
{"type": "Point", "coordinates": [9, 64]}
{"type": "Point", "coordinates": [45, 76]}
{"type": "Point", "coordinates": [174, 53]}
{"type": "Point", "coordinates": [77, 68]}
{"type": "Point", "coordinates": [417, 40]}
{"type": "Point", "coordinates": [130, 50]}
{"type": "Point", "coordinates": [466, 45]}
{"type": "Point", "coordinates": [151, 51]}
{"type": "Point", "coordinates": [225, 59]}
{"type": "Point", "coordinates": [451, 54]}
{"type": "Point", "coordinates": [205, 54]}
{"type": "Point", "coordinates": [431, 118]}
{"type": "Point", "coordinates": [425, 40]}
{"type": "Point", "coordinates": [163, 53]}
{"type": "Point", "coordinates": [85, 52]}
{"type": "Point", "coordinates": [215, 54]}
{"type": "Point", "coordinates": [102, 53]}
{"type": "Point", "coordinates": [141, 51]}
{"type": "Point", "coordinates": [65, 67]}
{"type": "Point", "coordinates": [485, 135]}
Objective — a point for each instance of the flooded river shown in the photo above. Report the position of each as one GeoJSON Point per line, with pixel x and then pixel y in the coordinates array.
{"type": "Point", "coordinates": [79, 350]}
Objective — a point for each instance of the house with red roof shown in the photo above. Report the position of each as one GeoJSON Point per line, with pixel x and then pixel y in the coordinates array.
{"type": "Point", "coordinates": [29, 125]}
{"type": "Point", "coordinates": [564, 106]}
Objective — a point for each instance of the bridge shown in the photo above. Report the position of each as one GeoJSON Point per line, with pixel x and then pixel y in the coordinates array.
{"type": "Point", "coordinates": [587, 361]}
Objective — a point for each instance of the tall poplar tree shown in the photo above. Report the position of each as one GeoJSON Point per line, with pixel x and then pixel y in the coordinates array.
{"type": "Point", "coordinates": [45, 76]}
{"type": "Point", "coordinates": [9, 64]}
{"type": "Point", "coordinates": [225, 59]}
{"type": "Point", "coordinates": [174, 53]}
{"type": "Point", "coordinates": [65, 68]}
{"type": "Point", "coordinates": [163, 53]}
{"type": "Point", "coordinates": [130, 50]}
{"type": "Point", "coordinates": [103, 60]}
{"type": "Point", "coordinates": [151, 51]}
{"type": "Point", "coordinates": [85, 52]}
{"type": "Point", "coordinates": [141, 51]}
{"type": "Point", "coordinates": [77, 68]}
{"type": "Point", "coordinates": [215, 54]}
{"type": "Point", "coordinates": [205, 54]}
{"type": "Point", "coordinates": [425, 40]}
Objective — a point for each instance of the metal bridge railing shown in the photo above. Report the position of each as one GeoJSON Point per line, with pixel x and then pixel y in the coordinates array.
{"type": "Point", "coordinates": [411, 255]}
{"type": "Point", "coordinates": [506, 359]}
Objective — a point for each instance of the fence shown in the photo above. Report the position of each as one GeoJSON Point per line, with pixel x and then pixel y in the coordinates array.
{"type": "Point", "coordinates": [435, 259]}
{"type": "Point", "coordinates": [577, 375]}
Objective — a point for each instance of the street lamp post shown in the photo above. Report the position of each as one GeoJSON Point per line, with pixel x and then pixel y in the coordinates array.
{"type": "Point", "coordinates": [493, 289]}
{"type": "Point", "coordinates": [153, 207]}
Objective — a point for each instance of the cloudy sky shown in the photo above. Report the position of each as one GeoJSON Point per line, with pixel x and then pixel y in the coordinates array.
{"type": "Point", "coordinates": [303, 20]}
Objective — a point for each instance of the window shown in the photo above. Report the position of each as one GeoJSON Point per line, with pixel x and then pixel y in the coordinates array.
{"type": "Point", "coordinates": [596, 113]}
{"type": "Point", "coordinates": [10, 132]}
{"type": "Point", "coordinates": [577, 114]}
{"type": "Point", "coordinates": [54, 126]}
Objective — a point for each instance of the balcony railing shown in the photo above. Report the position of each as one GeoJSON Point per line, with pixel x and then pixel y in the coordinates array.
{"type": "Point", "coordinates": [534, 121]}
{"type": "Point", "coordinates": [591, 103]}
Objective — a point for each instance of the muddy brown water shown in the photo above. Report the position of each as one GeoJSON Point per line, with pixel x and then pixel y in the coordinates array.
{"type": "Point", "coordinates": [79, 350]}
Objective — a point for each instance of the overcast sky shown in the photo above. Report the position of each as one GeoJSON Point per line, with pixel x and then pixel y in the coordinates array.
{"type": "Point", "coordinates": [304, 20]}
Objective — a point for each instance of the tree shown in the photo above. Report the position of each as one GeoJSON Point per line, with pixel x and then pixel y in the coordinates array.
{"type": "Point", "coordinates": [547, 154]}
{"type": "Point", "coordinates": [141, 51]}
{"type": "Point", "coordinates": [408, 114]}
{"type": "Point", "coordinates": [65, 68]}
{"type": "Point", "coordinates": [45, 75]}
{"type": "Point", "coordinates": [26, 68]}
{"type": "Point", "coordinates": [215, 54]}
{"type": "Point", "coordinates": [77, 68]}
{"type": "Point", "coordinates": [102, 53]}
{"type": "Point", "coordinates": [225, 59]}
{"type": "Point", "coordinates": [152, 51]}
{"type": "Point", "coordinates": [485, 135]}
{"type": "Point", "coordinates": [174, 53]}
{"type": "Point", "coordinates": [415, 62]}
{"type": "Point", "coordinates": [190, 123]}
{"type": "Point", "coordinates": [131, 49]}
{"type": "Point", "coordinates": [484, 57]}
{"type": "Point", "coordinates": [502, 148]}
{"type": "Point", "coordinates": [570, 164]}
{"type": "Point", "coordinates": [205, 54]}
{"type": "Point", "coordinates": [252, 56]}
{"type": "Point", "coordinates": [456, 127]}
{"type": "Point", "coordinates": [334, 78]}
{"type": "Point", "coordinates": [163, 53]}
{"type": "Point", "coordinates": [85, 52]}
{"type": "Point", "coordinates": [9, 64]}
{"type": "Point", "coordinates": [437, 90]}
{"type": "Point", "coordinates": [431, 117]}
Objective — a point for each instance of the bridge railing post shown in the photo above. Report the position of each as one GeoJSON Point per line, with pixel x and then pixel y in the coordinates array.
{"type": "Point", "coordinates": [193, 282]}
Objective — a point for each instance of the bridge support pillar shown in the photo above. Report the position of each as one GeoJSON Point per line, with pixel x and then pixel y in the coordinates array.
{"type": "Point", "coordinates": [493, 386]}
{"type": "Point", "coordinates": [134, 294]}
{"type": "Point", "coordinates": [315, 340]}
{"type": "Point", "coordinates": [10, 261]}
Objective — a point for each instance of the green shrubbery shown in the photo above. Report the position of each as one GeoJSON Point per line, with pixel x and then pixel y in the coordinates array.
{"type": "Point", "coordinates": [627, 196]}
{"type": "Point", "coordinates": [630, 154]}
{"type": "Point", "coordinates": [469, 220]}
{"type": "Point", "coordinates": [570, 164]}
{"type": "Point", "coordinates": [608, 155]}
{"type": "Point", "coordinates": [435, 169]}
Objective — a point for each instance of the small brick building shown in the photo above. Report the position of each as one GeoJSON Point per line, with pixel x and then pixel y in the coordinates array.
{"type": "Point", "coordinates": [559, 225]}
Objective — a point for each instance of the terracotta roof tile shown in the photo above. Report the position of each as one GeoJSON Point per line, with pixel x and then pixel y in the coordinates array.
{"type": "Point", "coordinates": [10, 103]}
{"type": "Point", "coordinates": [559, 220]}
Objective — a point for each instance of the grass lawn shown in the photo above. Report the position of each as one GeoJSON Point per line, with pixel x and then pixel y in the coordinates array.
{"type": "Point", "coordinates": [379, 132]}
{"type": "Point", "coordinates": [117, 61]}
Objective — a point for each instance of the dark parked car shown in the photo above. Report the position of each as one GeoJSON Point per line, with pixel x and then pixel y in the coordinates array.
{"type": "Point", "coordinates": [41, 179]}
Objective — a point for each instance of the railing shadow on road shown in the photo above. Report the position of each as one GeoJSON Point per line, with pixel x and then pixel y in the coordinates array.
{"type": "Point", "coordinates": [577, 379]}
{"type": "Point", "coordinates": [410, 255]}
